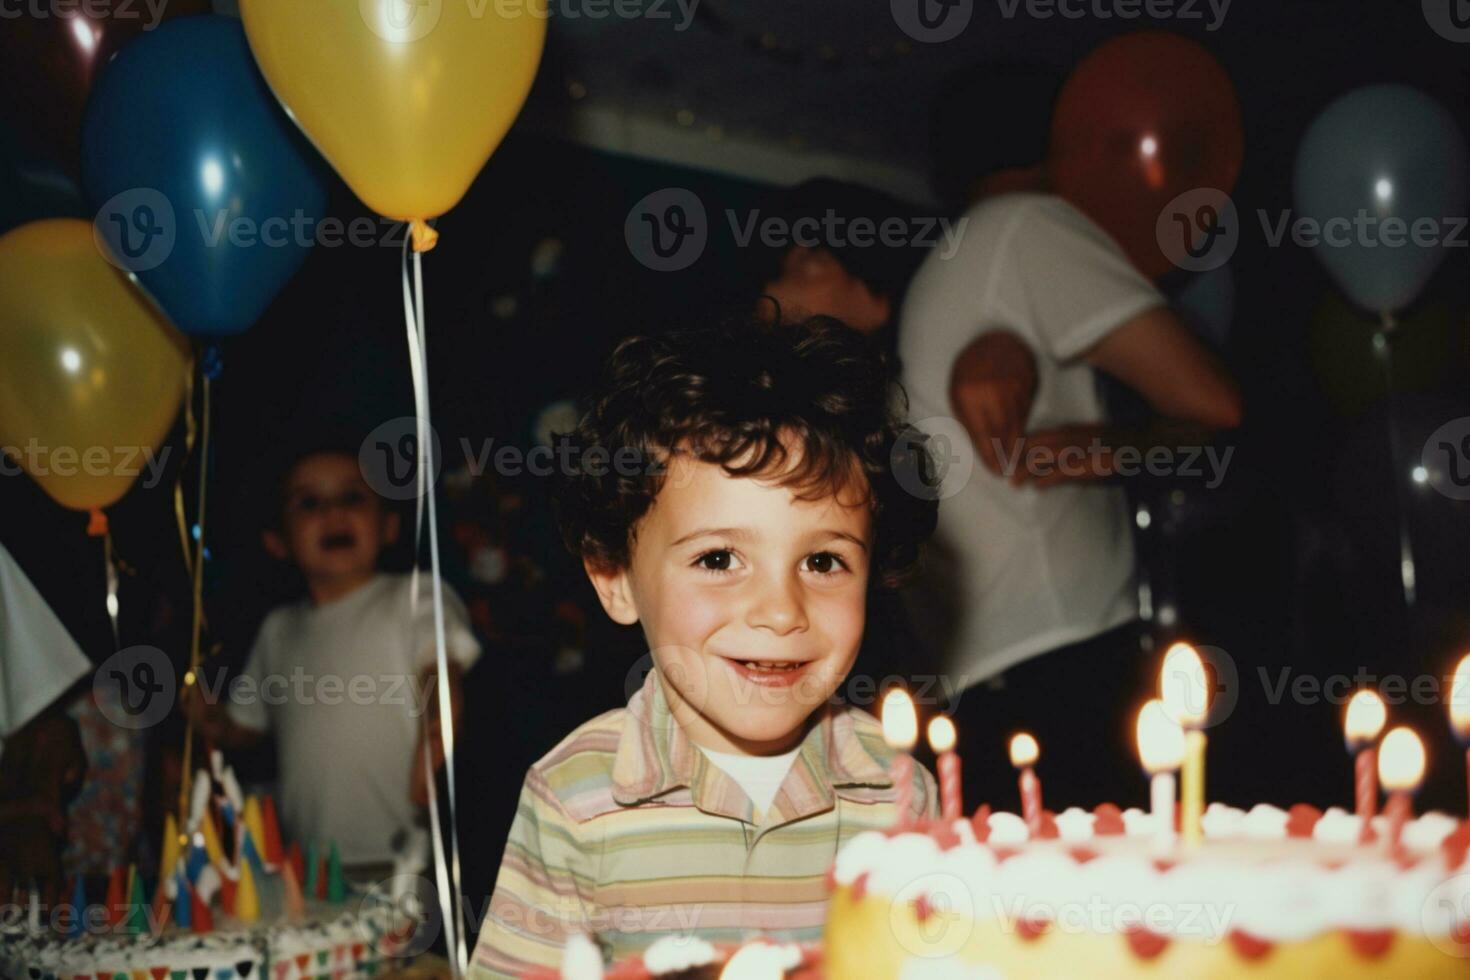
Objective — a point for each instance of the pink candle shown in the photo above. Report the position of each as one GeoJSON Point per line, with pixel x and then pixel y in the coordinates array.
{"type": "Point", "coordinates": [1024, 753]}
{"type": "Point", "coordinates": [941, 740]}
{"type": "Point", "coordinates": [1362, 724]}
{"type": "Point", "coordinates": [1397, 812]}
{"type": "Point", "coordinates": [901, 731]}
{"type": "Point", "coordinates": [1400, 772]}
{"type": "Point", "coordinates": [1367, 790]}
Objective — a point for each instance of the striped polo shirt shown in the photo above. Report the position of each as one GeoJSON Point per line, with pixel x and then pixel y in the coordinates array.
{"type": "Point", "coordinates": [627, 832]}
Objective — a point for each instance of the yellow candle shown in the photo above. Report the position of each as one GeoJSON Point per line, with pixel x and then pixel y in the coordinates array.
{"type": "Point", "coordinates": [1185, 691]}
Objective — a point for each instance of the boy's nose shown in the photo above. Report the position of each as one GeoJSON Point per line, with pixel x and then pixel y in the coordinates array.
{"type": "Point", "coordinates": [777, 606]}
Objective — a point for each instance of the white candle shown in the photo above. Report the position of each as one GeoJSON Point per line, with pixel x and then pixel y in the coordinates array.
{"type": "Point", "coordinates": [901, 731]}
{"type": "Point", "coordinates": [1161, 750]}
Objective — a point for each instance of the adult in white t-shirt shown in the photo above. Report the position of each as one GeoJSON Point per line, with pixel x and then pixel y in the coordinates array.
{"type": "Point", "coordinates": [342, 686]}
{"type": "Point", "coordinates": [1007, 335]}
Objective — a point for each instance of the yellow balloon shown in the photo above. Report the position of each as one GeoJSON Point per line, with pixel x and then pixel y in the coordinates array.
{"type": "Point", "coordinates": [406, 98]}
{"type": "Point", "coordinates": [91, 373]}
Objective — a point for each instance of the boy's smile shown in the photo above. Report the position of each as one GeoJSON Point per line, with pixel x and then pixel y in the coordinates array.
{"type": "Point", "coordinates": [752, 601]}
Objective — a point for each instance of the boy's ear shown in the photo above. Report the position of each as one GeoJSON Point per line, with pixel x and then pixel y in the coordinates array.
{"type": "Point", "coordinates": [615, 591]}
{"type": "Point", "coordinates": [275, 545]}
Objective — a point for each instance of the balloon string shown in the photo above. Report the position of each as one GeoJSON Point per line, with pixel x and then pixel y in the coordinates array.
{"type": "Point", "coordinates": [1383, 347]}
{"type": "Point", "coordinates": [186, 774]}
{"type": "Point", "coordinates": [190, 431]}
{"type": "Point", "coordinates": [448, 877]}
{"type": "Point", "coordinates": [97, 527]}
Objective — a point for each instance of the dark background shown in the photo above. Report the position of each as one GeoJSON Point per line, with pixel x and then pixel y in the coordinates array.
{"type": "Point", "coordinates": [1291, 565]}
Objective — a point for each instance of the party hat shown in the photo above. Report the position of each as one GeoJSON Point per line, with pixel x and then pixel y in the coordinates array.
{"type": "Point", "coordinates": [169, 851]}
{"type": "Point", "coordinates": [116, 910]}
{"type": "Point", "coordinates": [247, 900]}
{"type": "Point", "coordinates": [274, 853]}
{"type": "Point", "coordinates": [255, 821]}
{"type": "Point", "coordinates": [200, 918]}
{"type": "Point", "coordinates": [297, 862]}
{"type": "Point", "coordinates": [295, 901]}
{"type": "Point", "coordinates": [314, 882]}
{"type": "Point", "coordinates": [212, 846]}
{"type": "Point", "coordinates": [336, 884]}
{"type": "Point", "coordinates": [182, 905]}
{"type": "Point", "coordinates": [78, 910]}
{"type": "Point", "coordinates": [137, 918]}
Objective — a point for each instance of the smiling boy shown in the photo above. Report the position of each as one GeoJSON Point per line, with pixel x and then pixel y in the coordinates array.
{"type": "Point", "coordinates": [739, 495]}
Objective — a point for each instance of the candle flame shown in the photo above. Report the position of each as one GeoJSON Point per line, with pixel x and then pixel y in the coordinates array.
{"type": "Point", "coordinates": [1401, 761]}
{"type": "Point", "coordinates": [1184, 687]}
{"type": "Point", "coordinates": [1460, 699]}
{"type": "Point", "coordinates": [1160, 739]}
{"type": "Point", "coordinates": [900, 723]}
{"type": "Point", "coordinates": [941, 734]}
{"type": "Point", "coordinates": [1366, 717]}
{"type": "Point", "coordinates": [1024, 751]}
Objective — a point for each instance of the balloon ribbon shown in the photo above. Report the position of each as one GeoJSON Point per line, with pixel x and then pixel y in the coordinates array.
{"type": "Point", "coordinates": [196, 567]}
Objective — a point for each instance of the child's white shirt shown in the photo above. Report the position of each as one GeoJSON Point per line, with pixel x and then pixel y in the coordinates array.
{"type": "Point", "coordinates": [760, 776]}
{"type": "Point", "coordinates": [341, 687]}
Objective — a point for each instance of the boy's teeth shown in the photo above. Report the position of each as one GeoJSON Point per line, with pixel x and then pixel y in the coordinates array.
{"type": "Point", "coordinates": [769, 665]}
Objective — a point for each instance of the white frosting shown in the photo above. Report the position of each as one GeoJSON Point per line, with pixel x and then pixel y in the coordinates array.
{"type": "Point", "coordinates": [760, 961]}
{"type": "Point", "coordinates": [581, 959]}
{"type": "Point", "coordinates": [1248, 876]}
{"type": "Point", "coordinates": [671, 954]}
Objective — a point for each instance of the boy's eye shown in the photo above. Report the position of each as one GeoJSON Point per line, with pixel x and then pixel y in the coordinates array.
{"type": "Point", "coordinates": [308, 503]}
{"type": "Point", "coordinates": [824, 563]}
{"type": "Point", "coordinates": [715, 561]}
{"type": "Point", "coordinates": [354, 498]}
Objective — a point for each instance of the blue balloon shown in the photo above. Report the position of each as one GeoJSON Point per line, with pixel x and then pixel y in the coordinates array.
{"type": "Point", "coordinates": [1382, 173]}
{"type": "Point", "coordinates": [1206, 304]}
{"type": "Point", "coordinates": [206, 192]}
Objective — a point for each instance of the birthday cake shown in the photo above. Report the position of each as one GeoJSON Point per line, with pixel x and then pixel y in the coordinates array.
{"type": "Point", "coordinates": [1280, 893]}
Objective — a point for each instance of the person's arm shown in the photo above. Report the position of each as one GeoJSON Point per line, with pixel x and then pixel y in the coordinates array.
{"type": "Point", "coordinates": [1192, 395]}
{"type": "Point", "coordinates": [991, 388]}
{"type": "Point", "coordinates": [538, 902]}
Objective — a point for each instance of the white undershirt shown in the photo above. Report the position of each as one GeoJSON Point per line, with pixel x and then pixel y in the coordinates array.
{"type": "Point", "coordinates": [760, 776]}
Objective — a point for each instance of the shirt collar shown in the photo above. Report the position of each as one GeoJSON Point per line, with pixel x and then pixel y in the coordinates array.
{"type": "Point", "coordinates": [655, 756]}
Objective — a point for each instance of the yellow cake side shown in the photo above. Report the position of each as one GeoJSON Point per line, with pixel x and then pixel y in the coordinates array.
{"type": "Point", "coordinates": [871, 938]}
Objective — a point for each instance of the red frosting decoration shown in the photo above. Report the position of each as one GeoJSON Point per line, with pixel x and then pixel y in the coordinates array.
{"type": "Point", "coordinates": [1456, 844]}
{"type": "Point", "coordinates": [1301, 819]}
{"type": "Point", "coordinates": [980, 823]}
{"type": "Point", "coordinates": [944, 835]}
{"type": "Point", "coordinates": [1370, 944]}
{"type": "Point", "coordinates": [1249, 947]}
{"type": "Point", "coordinates": [1082, 854]}
{"type": "Point", "coordinates": [1031, 929]}
{"type": "Point", "coordinates": [1049, 826]}
{"type": "Point", "coordinates": [159, 973]}
{"type": "Point", "coordinates": [1108, 821]}
{"type": "Point", "coordinates": [922, 908]}
{"type": "Point", "coordinates": [1145, 945]}
{"type": "Point", "coordinates": [860, 887]}
{"type": "Point", "coordinates": [1164, 864]}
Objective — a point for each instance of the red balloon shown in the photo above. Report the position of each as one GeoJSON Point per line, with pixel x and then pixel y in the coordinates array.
{"type": "Point", "coordinates": [1144, 118]}
{"type": "Point", "coordinates": [53, 53]}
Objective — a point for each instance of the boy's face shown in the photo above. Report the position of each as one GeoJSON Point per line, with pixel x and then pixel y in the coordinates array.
{"type": "Point", "coordinates": [333, 526]}
{"type": "Point", "coordinates": [751, 599]}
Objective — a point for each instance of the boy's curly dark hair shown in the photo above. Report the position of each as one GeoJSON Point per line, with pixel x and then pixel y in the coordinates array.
{"type": "Point", "coordinates": [735, 394]}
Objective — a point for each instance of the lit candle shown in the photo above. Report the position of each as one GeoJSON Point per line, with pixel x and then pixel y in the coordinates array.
{"type": "Point", "coordinates": [1400, 770]}
{"type": "Point", "coordinates": [1024, 753]}
{"type": "Point", "coordinates": [901, 731]}
{"type": "Point", "coordinates": [941, 740]}
{"type": "Point", "coordinates": [1460, 710]}
{"type": "Point", "coordinates": [1186, 696]}
{"type": "Point", "coordinates": [1161, 749]}
{"type": "Point", "coordinates": [1365, 719]}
